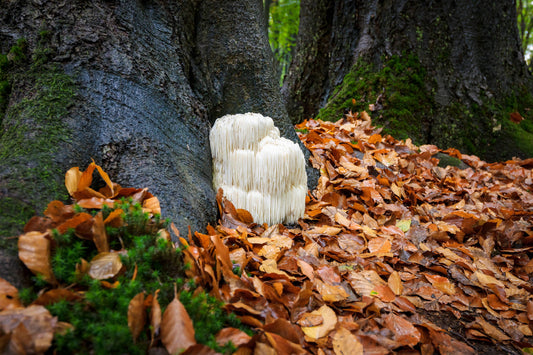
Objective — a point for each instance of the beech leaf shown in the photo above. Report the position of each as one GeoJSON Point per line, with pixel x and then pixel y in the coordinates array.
{"type": "Point", "coordinates": [136, 315]}
{"type": "Point", "coordinates": [105, 266]}
{"type": "Point", "coordinates": [34, 252]}
{"type": "Point", "coordinates": [329, 322]}
{"type": "Point", "coordinates": [177, 332]}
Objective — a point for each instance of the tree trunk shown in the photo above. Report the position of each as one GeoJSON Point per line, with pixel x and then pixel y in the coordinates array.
{"type": "Point", "coordinates": [135, 85]}
{"type": "Point", "coordinates": [464, 56]}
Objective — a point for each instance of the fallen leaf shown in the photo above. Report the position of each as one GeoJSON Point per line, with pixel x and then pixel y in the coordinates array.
{"type": "Point", "coordinates": [35, 322]}
{"type": "Point", "coordinates": [405, 334]}
{"type": "Point", "coordinates": [329, 323]}
{"type": "Point", "coordinates": [177, 331]}
{"type": "Point", "coordinates": [345, 343]}
{"type": "Point", "coordinates": [236, 336]}
{"type": "Point", "coordinates": [155, 317]}
{"type": "Point", "coordinates": [136, 315]}
{"type": "Point", "coordinates": [9, 296]}
{"type": "Point", "coordinates": [34, 252]}
{"type": "Point", "coordinates": [105, 266]}
{"type": "Point", "coordinates": [395, 283]}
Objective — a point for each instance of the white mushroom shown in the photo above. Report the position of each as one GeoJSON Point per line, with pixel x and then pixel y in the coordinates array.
{"type": "Point", "coordinates": [258, 170]}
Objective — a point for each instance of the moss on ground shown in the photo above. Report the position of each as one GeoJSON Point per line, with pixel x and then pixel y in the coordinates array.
{"type": "Point", "coordinates": [152, 265]}
{"type": "Point", "coordinates": [39, 94]}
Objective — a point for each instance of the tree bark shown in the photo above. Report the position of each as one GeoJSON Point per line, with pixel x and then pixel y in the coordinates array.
{"type": "Point", "coordinates": [470, 51]}
{"type": "Point", "coordinates": [146, 80]}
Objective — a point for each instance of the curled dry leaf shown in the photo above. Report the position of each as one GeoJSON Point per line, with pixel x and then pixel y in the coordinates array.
{"type": "Point", "coordinates": [236, 336]}
{"type": "Point", "coordinates": [136, 315]}
{"type": "Point", "coordinates": [345, 343]}
{"type": "Point", "coordinates": [177, 332]}
{"type": "Point", "coordinates": [33, 325]}
{"type": "Point", "coordinates": [9, 296]}
{"type": "Point", "coordinates": [56, 295]}
{"type": "Point", "coordinates": [152, 205]}
{"type": "Point", "coordinates": [395, 283]}
{"type": "Point", "coordinates": [404, 331]}
{"type": "Point", "coordinates": [34, 252]}
{"type": "Point", "coordinates": [99, 234]}
{"type": "Point", "coordinates": [329, 323]}
{"type": "Point", "coordinates": [105, 266]}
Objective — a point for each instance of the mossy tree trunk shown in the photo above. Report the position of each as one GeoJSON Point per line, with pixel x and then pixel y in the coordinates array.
{"type": "Point", "coordinates": [135, 85]}
{"type": "Point", "coordinates": [461, 60]}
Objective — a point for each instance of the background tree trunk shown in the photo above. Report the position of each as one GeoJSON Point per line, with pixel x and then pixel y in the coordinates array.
{"type": "Point", "coordinates": [467, 54]}
{"type": "Point", "coordinates": [135, 85]}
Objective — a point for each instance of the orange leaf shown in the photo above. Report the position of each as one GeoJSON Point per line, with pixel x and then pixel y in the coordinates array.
{"type": "Point", "coordinates": [99, 234]}
{"type": "Point", "coordinates": [72, 179]}
{"type": "Point", "coordinates": [86, 178]}
{"type": "Point", "coordinates": [105, 266]}
{"type": "Point", "coordinates": [404, 331]}
{"type": "Point", "coordinates": [345, 343]}
{"type": "Point", "coordinates": [152, 204]}
{"type": "Point", "coordinates": [236, 336]}
{"type": "Point", "coordinates": [106, 178]}
{"type": "Point", "coordinates": [115, 218]}
{"type": "Point", "coordinates": [9, 296]}
{"type": "Point", "coordinates": [375, 138]}
{"type": "Point", "coordinates": [441, 283]}
{"type": "Point", "coordinates": [177, 332]}
{"type": "Point", "coordinates": [74, 222]}
{"type": "Point", "coordinates": [136, 315]}
{"type": "Point", "coordinates": [379, 245]}
{"type": "Point", "coordinates": [329, 323]}
{"type": "Point", "coordinates": [34, 251]}
{"type": "Point", "coordinates": [395, 283]}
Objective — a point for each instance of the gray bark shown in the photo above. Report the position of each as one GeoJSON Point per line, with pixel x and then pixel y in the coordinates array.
{"type": "Point", "coordinates": [470, 50]}
{"type": "Point", "coordinates": [151, 77]}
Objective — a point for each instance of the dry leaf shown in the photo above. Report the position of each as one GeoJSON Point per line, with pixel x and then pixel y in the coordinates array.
{"type": "Point", "coordinates": [105, 266]}
{"type": "Point", "coordinates": [36, 324]}
{"type": "Point", "coordinates": [136, 315]}
{"type": "Point", "coordinates": [177, 332]}
{"type": "Point", "coordinates": [34, 252]}
{"type": "Point", "coordinates": [9, 296]}
{"type": "Point", "coordinates": [404, 331]}
{"type": "Point", "coordinates": [395, 283]}
{"type": "Point", "coordinates": [345, 343]}
{"type": "Point", "coordinates": [329, 323]}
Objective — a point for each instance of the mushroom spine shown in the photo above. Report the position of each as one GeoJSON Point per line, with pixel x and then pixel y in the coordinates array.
{"type": "Point", "coordinates": [257, 169]}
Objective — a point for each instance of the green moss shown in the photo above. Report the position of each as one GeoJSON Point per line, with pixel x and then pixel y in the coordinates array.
{"type": "Point", "coordinates": [100, 319]}
{"type": "Point", "coordinates": [33, 131]}
{"type": "Point", "coordinates": [399, 86]}
{"type": "Point", "coordinates": [402, 95]}
{"type": "Point", "coordinates": [15, 214]}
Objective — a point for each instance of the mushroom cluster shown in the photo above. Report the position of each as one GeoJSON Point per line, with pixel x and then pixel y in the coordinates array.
{"type": "Point", "coordinates": [258, 170]}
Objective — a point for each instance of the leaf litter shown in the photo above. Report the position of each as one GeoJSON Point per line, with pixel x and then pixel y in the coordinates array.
{"type": "Point", "coordinates": [388, 237]}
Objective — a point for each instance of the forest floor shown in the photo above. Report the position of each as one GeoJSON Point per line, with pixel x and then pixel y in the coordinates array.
{"type": "Point", "coordinates": [397, 252]}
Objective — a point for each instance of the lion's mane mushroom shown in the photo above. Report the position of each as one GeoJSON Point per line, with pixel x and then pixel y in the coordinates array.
{"type": "Point", "coordinates": [257, 169]}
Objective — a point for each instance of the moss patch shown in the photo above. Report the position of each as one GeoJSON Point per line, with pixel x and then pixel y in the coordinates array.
{"type": "Point", "coordinates": [33, 131]}
{"type": "Point", "coordinates": [399, 97]}
{"type": "Point", "coordinates": [397, 90]}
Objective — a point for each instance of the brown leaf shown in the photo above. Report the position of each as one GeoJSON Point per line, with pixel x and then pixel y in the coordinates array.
{"type": "Point", "coordinates": [72, 179]}
{"type": "Point", "coordinates": [136, 315]}
{"type": "Point", "coordinates": [114, 219]}
{"type": "Point", "coordinates": [105, 266]}
{"type": "Point", "coordinates": [236, 336]}
{"type": "Point", "coordinates": [99, 234]}
{"type": "Point", "coordinates": [152, 205]}
{"type": "Point", "coordinates": [395, 283]}
{"type": "Point", "coordinates": [441, 283]}
{"type": "Point", "coordinates": [76, 222]}
{"type": "Point", "coordinates": [55, 295]}
{"type": "Point", "coordinates": [516, 117]}
{"type": "Point", "coordinates": [106, 178]}
{"type": "Point", "coordinates": [404, 331]}
{"type": "Point", "coordinates": [329, 323]}
{"type": "Point", "coordinates": [9, 296]}
{"type": "Point", "coordinates": [34, 251]}
{"type": "Point", "coordinates": [37, 323]}
{"type": "Point", "coordinates": [345, 343]}
{"type": "Point", "coordinates": [177, 332]}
